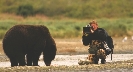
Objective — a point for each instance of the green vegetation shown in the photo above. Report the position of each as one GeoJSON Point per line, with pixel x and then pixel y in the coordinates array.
{"type": "Point", "coordinates": [73, 28]}
{"type": "Point", "coordinates": [113, 15]}
{"type": "Point", "coordinates": [69, 8]}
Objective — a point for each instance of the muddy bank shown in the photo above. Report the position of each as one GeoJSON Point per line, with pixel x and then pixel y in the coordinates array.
{"type": "Point", "coordinates": [70, 60]}
{"type": "Point", "coordinates": [69, 63]}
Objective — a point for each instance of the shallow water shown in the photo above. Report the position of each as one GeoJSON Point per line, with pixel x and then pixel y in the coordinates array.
{"type": "Point", "coordinates": [69, 60]}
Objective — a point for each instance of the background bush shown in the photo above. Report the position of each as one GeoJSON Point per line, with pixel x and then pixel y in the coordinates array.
{"type": "Point", "coordinates": [25, 10]}
{"type": "Point", "coordinates": [70, 8]}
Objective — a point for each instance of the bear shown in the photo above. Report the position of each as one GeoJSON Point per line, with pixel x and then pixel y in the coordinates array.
{"type": "Point", "coordinates": [23, 44]}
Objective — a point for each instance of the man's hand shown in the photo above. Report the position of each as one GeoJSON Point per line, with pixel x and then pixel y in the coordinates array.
{"type": "Point", "coordinates": [85, 34]}
{"type": "Point", "coordinates": [91, 30]}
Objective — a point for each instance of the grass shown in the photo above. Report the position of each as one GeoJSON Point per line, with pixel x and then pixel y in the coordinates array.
{"type": "Point", "coordinates": [66, 27]}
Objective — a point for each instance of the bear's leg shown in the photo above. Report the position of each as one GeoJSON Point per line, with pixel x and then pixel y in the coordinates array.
{"type": "Point", "coordinates": [36, 59]}
{"type": "Point", "coordinates": [21, 60]}
{"type": "Point", "coordinates": [13, 61]}
{"type": "Point", "coordinates": [29, 59]}
{"type": "Point", "coordinates": [36, 56]}
{"type": "Point", "coordinates": [33, 57]}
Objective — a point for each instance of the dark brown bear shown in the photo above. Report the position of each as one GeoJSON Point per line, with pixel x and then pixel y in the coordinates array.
{"type": "Point", "coordinates": [29, 41]}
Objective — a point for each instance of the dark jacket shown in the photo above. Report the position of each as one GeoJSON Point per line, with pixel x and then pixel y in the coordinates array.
{"type": "Point", "coordinates": [99, 34]}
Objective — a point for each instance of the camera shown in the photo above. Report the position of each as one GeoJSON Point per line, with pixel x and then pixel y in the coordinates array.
{"type": "Point", "coordinates": [87, 29]}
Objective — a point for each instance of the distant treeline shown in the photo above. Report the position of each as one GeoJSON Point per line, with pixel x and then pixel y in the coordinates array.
{"type": "Point", "coordinates": [80, 9]}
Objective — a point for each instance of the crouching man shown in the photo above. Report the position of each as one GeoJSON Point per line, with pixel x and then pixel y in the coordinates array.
{"type": "Point", "coordinates": [100, 43]}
